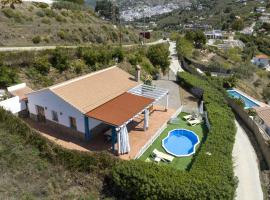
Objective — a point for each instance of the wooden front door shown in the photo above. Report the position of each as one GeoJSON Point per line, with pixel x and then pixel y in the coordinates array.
{"type": "Point", "coordinates": [41, 114]}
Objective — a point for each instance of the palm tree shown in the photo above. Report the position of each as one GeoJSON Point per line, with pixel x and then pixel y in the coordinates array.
{"type": "Point", "coordinates": [11, 3]}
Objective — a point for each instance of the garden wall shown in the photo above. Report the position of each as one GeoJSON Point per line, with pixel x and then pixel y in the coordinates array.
{"type": "Point", "coordinates": [259, 134]}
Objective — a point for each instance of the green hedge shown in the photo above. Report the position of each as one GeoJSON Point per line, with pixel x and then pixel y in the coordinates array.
{"type": "Point", "coordinates": [210, 176]}
{"type": "Point", "coordinates": [98, 163]}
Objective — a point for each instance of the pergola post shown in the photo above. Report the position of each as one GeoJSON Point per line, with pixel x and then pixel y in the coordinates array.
{"type": "Point", "coordinates": [118, 141]}
{"type": "Point", "coordinates": [86, 128]}
{"type": "Point", "coordinates": [167, 102]}
{"type": "Point", "coordinates": [146, 119]}
{"type": "Point", "coordinates": [114, 135]}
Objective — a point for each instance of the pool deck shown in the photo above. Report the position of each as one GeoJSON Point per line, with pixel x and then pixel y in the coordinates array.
{"type": "Point", "coordinates": [261, 104]}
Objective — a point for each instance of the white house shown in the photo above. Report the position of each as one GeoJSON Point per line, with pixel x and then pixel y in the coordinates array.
{"type": "Point", "coordinates": [216, 34]}
{"type": "Point", "coordinates": [16, 101]}
{"type": "Point", "coordinates": [261, 61]}
{"type": "Point", "coordinates": [79, 106]}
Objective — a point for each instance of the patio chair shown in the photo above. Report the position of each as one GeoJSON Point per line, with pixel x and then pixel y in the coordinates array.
{"type": "Point", "coordinates": [163, 156]}
{"type": "Point", "coordinates": [194, 122]}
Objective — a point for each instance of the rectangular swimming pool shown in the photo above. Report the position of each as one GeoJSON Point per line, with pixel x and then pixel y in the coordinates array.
{"type": "Point", "coordinates": [248, 102]}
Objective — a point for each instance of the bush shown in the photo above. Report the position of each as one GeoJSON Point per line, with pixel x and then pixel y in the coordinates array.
{"type": "Point", "coordinates": [36, 39]}
{"type": "Point", "coordinates": [62, 35]}
{"type": "Point", "coordinates": [40, 13]}
{"type": "Point", "coordinates": [10, 13]}
{"type": "Point", "coordinates": [66, 5]}
{"type": "Point", "coordinates": [8, 76]}
{"type": "Point", "coordinates": [59, 59]}
{"type": "Point", "coordinates": [159, 56]}
{"type": "Point", "coordinates": [209, 177]}
{"type": "Point", "coordinates": [78, 65]}
{"type": "Point", "coordinates": [42, 65]}
{"type": "Point", "coordinates": [46, 21]}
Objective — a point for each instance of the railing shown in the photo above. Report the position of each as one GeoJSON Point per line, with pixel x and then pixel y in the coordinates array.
{"type": "Point", "coordinates": [157, 134]}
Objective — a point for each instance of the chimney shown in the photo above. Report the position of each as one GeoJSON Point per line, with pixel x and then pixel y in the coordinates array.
{"type": "Point", "coordinates": [138, 73]}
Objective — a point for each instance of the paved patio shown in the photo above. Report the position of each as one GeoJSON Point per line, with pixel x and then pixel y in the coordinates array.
{"type": "Point", "coordinates": [138, 138]}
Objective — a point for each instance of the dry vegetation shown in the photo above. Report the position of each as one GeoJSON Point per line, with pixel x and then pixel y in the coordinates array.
{"type": "Point", "coordinates": [38, 24]}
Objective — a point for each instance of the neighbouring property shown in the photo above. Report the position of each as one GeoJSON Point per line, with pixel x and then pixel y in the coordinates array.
{"type": "Point", "coordinates": [261, 61]}
{"type": "Point", "coordinates": [263, 117]}
{"type": "Point", "coordinates": [107, 102]}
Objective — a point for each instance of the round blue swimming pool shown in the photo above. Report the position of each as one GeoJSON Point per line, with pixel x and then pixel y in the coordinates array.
{"type": "Point", "coordinates": [180, 142]}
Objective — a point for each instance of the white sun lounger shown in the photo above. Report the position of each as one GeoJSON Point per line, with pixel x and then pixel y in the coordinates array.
{"type": "Point", "coordinates": [163, 156]}
{"type": "Point", "coordinates": [194, 122]}
{"type": "Point", "coordinates": [187, 117]}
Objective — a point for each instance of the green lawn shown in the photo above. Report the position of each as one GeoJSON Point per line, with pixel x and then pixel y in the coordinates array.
{"type": "Point", "coordinates": [179, 163]}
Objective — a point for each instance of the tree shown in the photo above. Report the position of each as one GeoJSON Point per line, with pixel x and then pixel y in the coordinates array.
{"type": "Point", "coordinates": [42, 65]}
{"type": "Point", "coordinates": [159, 56]}
{"type": "Point", "coordinates": [11, 3]}
{"type": "Point", "coordinates": [8, 76]}
{"type": "Point", "coordinates": [107, 9]}
{"type": "Point", "coordinates": [238, 25]}
{"type": "Point", "coordinates": [184, 47]}
{"type": "Point", "coordinates": [60, 60]}
{"type": "Point", "coordinates": [197, 37]}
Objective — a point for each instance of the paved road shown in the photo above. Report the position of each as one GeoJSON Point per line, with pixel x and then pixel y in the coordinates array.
{"type": "Point", "coordinates": [175, 65]}
{"type": "Point", "coordinates": [246, 168]}
{"type": "Point", "coordinates": [40, 48]}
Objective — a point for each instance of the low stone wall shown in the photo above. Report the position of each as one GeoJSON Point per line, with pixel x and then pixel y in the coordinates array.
{"type": "Point", "coordinates": [260, 136]}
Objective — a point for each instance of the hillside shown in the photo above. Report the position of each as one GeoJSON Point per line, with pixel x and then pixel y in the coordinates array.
{"type": "Point", "coordinates": [62, 24]}
{"type": "Point", "coordinates": [34, 168]}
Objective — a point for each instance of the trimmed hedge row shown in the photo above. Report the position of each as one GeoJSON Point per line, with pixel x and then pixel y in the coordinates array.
{"type": "Point", "coordinates": [211, 175]}
{"type": "Point", "coordinates": [98, 163]}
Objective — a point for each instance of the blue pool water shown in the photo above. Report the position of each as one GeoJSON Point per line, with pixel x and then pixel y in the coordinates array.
{"type": "Point", "coordinates": [248, 102]}
{"type": "Point", "coordinates": [180, 142]}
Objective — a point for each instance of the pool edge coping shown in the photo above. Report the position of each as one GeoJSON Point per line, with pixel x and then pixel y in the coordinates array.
{"type": "Point", "coordinates": [194, 146]}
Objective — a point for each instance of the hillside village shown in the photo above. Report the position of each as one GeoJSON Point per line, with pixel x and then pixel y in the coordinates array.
{"type": "Point", "coordinates": [135, 99]}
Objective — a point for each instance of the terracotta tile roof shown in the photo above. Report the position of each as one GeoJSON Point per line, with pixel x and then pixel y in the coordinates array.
{"type": "Point", "coordinates": [22, 92]}
{"type": "Point", "coordinates": [264, 114]}
{"type": "Point", "coordinates": [92, 90]}
{"type": "Point", "coordinates": [262, 56]}
{"type": "Point", "coordinates": [120, 109]}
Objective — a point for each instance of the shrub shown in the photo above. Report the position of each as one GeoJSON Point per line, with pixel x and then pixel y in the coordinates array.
{"type": "Point", "coordinates": [78, 65]}
{"type": "Point", "coordinates": [10, 13]}
{"type": "Point", "coordinates": [66, 5]}
{"type": "Point", "coordinates": [42, 65]}
{"type": "Point", "coordinates": [59, 59]}
{"type": "Point", "coordinates": [118, 54]}
{"type": "Point", "coordinates": [49, 12]}
{"type": "Point", "coordinates": [8, 76]}
{"type": "Point", "coordinates": [40, 13]}
{"type": "Point", "coordinates": [46, 21]}
{"type": "Point", "coordinates": [209, 177]}
{"type": "Point", "coordinates": [36, 39]}
{"type": "Point", "coordinates": [159, 56]}
{"type": "Point", "coordinates": [62, 34]}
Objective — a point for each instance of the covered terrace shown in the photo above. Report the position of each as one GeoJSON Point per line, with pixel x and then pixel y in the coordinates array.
{"type": "Point", "coordinates": [123, 111]}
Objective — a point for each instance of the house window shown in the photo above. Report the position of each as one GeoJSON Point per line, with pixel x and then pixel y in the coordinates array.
{"type": "Point", "coordinates": [72, 123]}
{"type": "Point", "coordinates": [54, 116]}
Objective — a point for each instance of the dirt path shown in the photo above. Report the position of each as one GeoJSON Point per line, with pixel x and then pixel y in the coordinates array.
{"type": "Point", "coordinates": [246, 168]}
{"type": "Point", "coordinates": [175, 65]}
{"type": "Point", "coordinates": [40, 48]}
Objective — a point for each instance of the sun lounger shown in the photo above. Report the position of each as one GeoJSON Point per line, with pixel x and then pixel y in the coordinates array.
{"type": "Point", "coordinates": [194, 122]}
{"type": "Point", "coordinates": [163, 156]}
{"type": "Point", "coordinates": [187, 117]}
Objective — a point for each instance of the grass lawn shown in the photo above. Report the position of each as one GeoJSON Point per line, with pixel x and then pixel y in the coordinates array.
{"type": "Point", "coordinates": [179, 163]}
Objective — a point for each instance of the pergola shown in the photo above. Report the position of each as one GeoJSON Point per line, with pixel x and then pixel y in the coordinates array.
{"type": "Point", "coordinates": [121, 110]}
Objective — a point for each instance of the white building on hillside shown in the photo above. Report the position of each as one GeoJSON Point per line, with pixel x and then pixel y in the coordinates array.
{"type": "Point", "coordinates": [110, 97]}
{"type": "Point", "coordinates": [261, 61]}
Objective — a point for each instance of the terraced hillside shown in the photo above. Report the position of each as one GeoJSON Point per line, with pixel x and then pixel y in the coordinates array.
{"type": "Point", "coordinates": [62, 24]}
